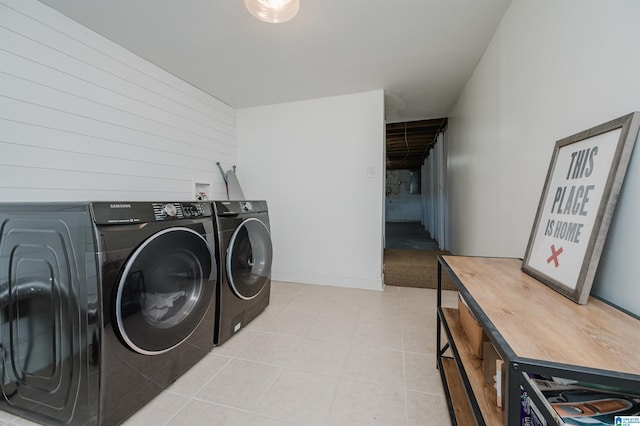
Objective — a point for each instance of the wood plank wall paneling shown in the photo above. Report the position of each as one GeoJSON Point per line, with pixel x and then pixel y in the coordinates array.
{"type": "Point", "coordinates": [82, 118]}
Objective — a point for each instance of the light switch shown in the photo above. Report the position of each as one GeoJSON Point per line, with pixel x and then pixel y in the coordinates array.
{"type": "Point", "coordinates": [371, 172]}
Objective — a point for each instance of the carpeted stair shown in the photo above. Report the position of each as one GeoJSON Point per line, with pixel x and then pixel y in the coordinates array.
{"type": "Point", "coordinates": [414, 268]}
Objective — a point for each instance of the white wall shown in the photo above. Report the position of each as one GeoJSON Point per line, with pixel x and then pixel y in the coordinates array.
{"type": "Point", "coordinates": [84, 119]}
{"type": "Point", "coordinates": [310, 160]}
{"type": "Point", "coordinates": [553, 68]}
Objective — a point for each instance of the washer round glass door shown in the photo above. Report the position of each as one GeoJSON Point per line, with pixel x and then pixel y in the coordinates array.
{"type": "Point", "coordinates": [249, 258]}
{"type": "Point", "coordinates": [164, 291]}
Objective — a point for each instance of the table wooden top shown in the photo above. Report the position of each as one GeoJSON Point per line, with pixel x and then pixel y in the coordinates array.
{"type": "Point", "coordinates": [540, 323]}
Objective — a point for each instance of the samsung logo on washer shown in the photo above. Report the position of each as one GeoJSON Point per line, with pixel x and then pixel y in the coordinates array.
{"type": "Point", "coordinates": [120, 206]}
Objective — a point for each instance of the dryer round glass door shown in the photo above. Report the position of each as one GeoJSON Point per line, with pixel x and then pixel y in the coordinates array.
{"type": "Point", "coordinates": [249, 258]}
{"type": "Point", "coordinates": [165, 290]}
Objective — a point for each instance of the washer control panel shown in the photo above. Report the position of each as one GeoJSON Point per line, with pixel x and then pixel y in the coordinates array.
{"type": "Point", "coordinates": [170, 210]}
{"type": "Point", "coordinates": [140, 212]}
{"type": "Point", "coordinates": [164, 211]}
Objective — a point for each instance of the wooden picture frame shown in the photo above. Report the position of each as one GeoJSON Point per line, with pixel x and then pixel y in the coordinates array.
{"type": "Point", "coordinates": [577, 204]}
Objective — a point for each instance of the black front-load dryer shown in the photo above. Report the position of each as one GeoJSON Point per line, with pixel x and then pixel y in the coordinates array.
{"type": "Point", "coordinates": [102, 305]}
{"type": "Point", "coordinates": [244, 253]}
{"type": "Point", "coordinates": [50, 320]}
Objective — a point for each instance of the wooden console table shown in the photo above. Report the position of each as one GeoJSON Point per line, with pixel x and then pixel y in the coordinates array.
{"type": "Point", "coordinates": [536, 331]}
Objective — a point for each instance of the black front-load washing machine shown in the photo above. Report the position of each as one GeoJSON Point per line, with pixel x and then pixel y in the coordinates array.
{"type": "Point", "coordinates": [104, 305]}
{"type": "Point", "coordinates": [157, 272]}
{"type": "Point", "coordinates": [244, 253]}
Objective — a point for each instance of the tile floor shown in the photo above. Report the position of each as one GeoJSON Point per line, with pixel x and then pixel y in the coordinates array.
{"type": "Point", "coordinates": [316, 356]}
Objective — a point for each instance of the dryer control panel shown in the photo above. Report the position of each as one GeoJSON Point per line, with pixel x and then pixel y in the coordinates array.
{"type": "Point", "coordinates": [228, 208]}
{"type": "Point", "coordinates": [105, 213]}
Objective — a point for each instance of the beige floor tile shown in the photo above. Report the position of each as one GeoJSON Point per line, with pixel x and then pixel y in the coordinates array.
{"type": "Point", "coordinates": [198, 376]}
{"type": "Point", "coordinates": [201, 413]}
{"type": "Point", "coordinates": [355, 295]}
{"type": "Point", "coordinates": [450, 299]}
{"type": "Point", "coordinates": [258, 420]}
{"type": "Point", "coordinates": [22, 422]}
{"type": "Point", "coordinates": [269, 348]}
{"type": "Point", "coordinates": [419, 305]}
{"type": "Point", "coordinates": [234, 345]}
{"type": "Point", "coordinates": [306, 305]}
{"type": "Point", "coordinates": [378, 366]}
{"type": "Point", "coordinates": [417, 295]}
{"type": "Point", "coordinates": [426, 410]}
{"type": "Point", "coordinates": [320, 357]}
{"type": "Point", "coordinates": [381, 314]}
{"type": "Point", "coordinates": [313, 291]}
{"type": "Point", "coordinates": [419, 299]}
{"type": "Point", "coordinates": [359, 404]}
{"type": "Point", "coordinates": [295, 324]}
{"type": "Point", "coordinates": [6, 417]}
{"type": "Point", "coordinates": [282, 290]}
{"type": "Point", "coordinates": [340, 309]}
{"type": "Point", "coordinates": [330, 328]}
{"type": "Point", "coordinates": [418, 339]}
{"type": "Point", "coordinates": [422, 319]}
{"type": "Point", "coordinates": [10, 420]}
{"type": "Point", "coordinates": [159, 410]}
{"type": "Point", "coordinates": [421, 373]}
{"type": "Point", "coordinates": [378, 335]}
{"type": "Point", "coordinates": [300, 397]}
{"type": "Point", "coordinates": [270, 312]}
{"type": "Point", "coordinates": [379, 298]}
{"type": "Point", "coordinates": [240, 384]}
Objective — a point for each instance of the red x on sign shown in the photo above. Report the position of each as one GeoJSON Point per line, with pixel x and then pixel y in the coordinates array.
{"type": "Point", "coordinates": [554, 255]}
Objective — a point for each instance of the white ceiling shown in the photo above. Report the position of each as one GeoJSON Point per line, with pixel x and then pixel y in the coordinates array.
{"type": "Point", "coordinates": [421, 52]}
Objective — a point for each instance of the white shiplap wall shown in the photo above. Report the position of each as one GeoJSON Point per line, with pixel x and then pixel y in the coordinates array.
{"type": "Point", "coordinates": [81, 118]}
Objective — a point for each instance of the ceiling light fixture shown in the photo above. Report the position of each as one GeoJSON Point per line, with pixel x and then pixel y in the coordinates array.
{"type": "Point", "coordinates": [273, 11]}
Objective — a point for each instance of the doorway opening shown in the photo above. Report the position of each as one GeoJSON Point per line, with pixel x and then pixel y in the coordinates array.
{"type": "Point", "coordinates": [415, 202]}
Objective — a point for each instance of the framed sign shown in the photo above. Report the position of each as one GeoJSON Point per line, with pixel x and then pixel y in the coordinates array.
{"type": "Point", "coordinates": [577, 203]}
